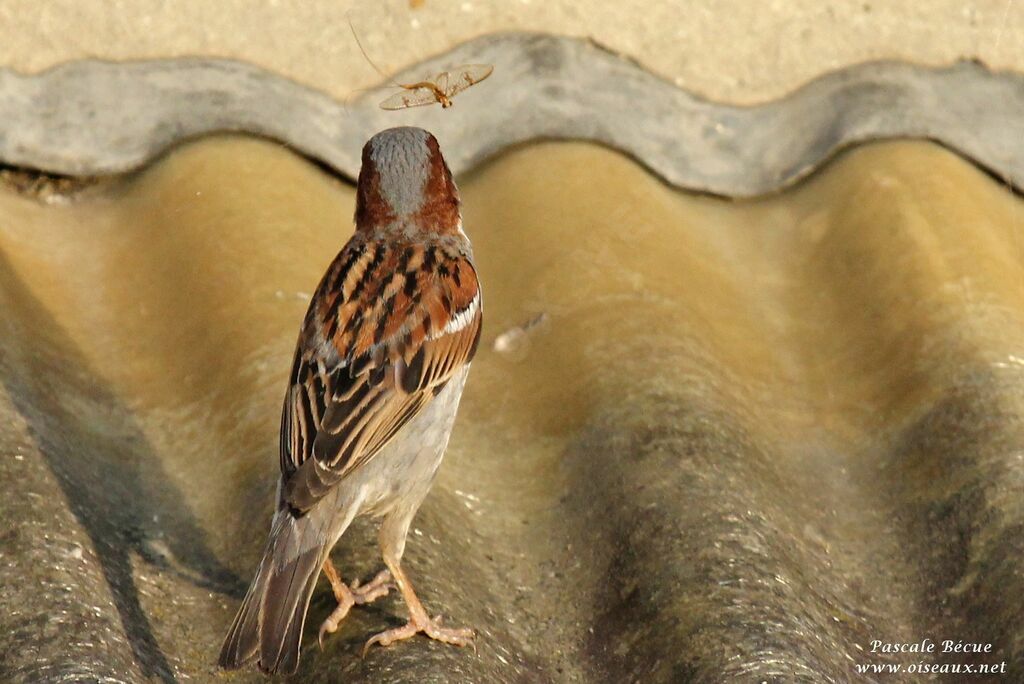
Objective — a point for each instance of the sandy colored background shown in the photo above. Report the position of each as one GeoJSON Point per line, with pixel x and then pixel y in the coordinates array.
{"type": "Point", "coordinates": [729, 50]}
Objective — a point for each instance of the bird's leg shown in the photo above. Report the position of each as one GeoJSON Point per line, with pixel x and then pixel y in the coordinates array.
{"type": "Point", "coordinates": [349, 596]}
{"type": "Point", "coordinates": [392, 546]}
{"type": "Point", "coordinates": [419, 621]}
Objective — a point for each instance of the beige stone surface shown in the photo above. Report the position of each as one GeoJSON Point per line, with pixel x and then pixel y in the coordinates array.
{"type": "Point", "coordinates": [730, 50]}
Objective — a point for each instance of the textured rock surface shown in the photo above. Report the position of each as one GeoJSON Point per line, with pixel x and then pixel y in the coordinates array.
{"type": "Point", "coordinates": [749, 437]}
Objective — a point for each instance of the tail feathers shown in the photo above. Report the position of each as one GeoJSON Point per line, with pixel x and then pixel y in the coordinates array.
{"type": "Point", "coordinates": [269, 623]}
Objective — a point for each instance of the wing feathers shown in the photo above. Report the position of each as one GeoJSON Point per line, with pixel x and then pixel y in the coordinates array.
{"type": "Point", "coordinates": [398, 323]}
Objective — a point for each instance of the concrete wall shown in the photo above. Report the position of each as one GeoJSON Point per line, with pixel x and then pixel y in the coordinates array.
{"type": "Point", "coordinates": [735, 50]}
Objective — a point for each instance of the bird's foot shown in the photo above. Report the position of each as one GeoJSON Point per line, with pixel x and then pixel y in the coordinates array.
{"type": "Point", "coordinates": [377, 587]}
{"type": "Point", "coordinates": [348, 596]}
{"type": "Point", "coordinates": [431, 627]}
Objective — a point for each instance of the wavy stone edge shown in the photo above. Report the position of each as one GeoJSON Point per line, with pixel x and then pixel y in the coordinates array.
{"type": "Point", "coordinates": [92, 118]}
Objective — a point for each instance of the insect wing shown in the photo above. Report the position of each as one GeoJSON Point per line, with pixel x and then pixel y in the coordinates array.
{"type": "Point", "coordinates": [462, 77]}
{"type": "Point", "coordinates": [409, 98]}
{"type": "Point", "coordinates": [441, 81]}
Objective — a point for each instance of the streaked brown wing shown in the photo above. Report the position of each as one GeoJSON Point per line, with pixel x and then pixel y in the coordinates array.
{"type": "Point", "coordinates": [464, 76]}
{"type": "Point", "coordinates": [389, 327]}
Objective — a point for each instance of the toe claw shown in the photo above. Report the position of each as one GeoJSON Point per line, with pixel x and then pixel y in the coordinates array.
{"type": "Point", "coordinates": [384, 639]}
{"type": "Point", "coordinates": [320, 637]}
{"type": "Point", "coordinates": [330, 624]}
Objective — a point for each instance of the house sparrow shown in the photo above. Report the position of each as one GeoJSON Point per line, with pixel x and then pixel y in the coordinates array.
{"type": "Point", "coordinates": [382, 358]}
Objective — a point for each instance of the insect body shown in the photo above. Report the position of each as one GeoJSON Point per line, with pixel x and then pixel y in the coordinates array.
{"type": "Point", "coordinates": [441, 88]}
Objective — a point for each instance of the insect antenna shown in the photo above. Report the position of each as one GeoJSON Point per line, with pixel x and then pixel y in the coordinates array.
{"type": "Point", "coordinates": [359, 44]}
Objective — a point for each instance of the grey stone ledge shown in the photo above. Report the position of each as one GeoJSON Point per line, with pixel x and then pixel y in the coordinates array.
{"type": "Point", "coordinates": [93, 118]}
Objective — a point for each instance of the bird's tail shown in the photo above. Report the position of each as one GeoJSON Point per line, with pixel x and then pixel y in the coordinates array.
{"type": "Point", "coordinates": [269, 623]}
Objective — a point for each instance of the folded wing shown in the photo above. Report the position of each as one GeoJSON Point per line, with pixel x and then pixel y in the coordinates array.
{"type": "Point", "coordinates": [394, 324]}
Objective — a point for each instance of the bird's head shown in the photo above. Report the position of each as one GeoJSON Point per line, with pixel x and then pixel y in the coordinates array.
{"type": "Point", "coordinates": [405, 185]}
